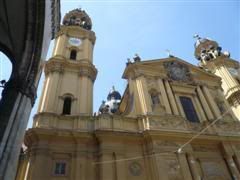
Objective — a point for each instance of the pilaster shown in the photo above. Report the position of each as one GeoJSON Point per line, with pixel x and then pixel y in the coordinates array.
{"type": "Point", "coordinates": [204, 104]}
{"type": "Point", "coordinates": [171, 98]}
{"type": "Point", "coordinates": [164, 96]}
{"type": "Point", "coordinates": [212, 103]}
{"type": "Point", "coordinates": [143, 95]}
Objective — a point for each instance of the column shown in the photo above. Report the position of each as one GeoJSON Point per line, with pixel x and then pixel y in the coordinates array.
{"type": "Point", "coordinates": [60, 49]}
{"type": "Point", "coordinates": [179, 106]}
{"type": "Point", "coordinates": [42, 167]}
{"type": "Point", "coordinates": [52, 95]}
{"type": "Point", "coordinates": [133, 90]}
{"type": "Point", "coordinates": [79, 172]}
{"type": "Point", "coordinates": [237, 159]}
{"type": "Point", "coordinates": [106, 167]}
{"type": "Point", "coordinates": [171, 98]}
{"type": "Point", "coordinates": [204, 104]}
{"type": "Point", "coordinates": [156, 166]}
{"type": "Point", "coordinates": [184, 166]}
{"type": "Point", "coordinates": [232, 167]}
{"type": "Point", "coordinates": [200, 110]}
{"type": "Point", "coordinates": [164, 96]}
{"type": "Point", "coordinates": [143, 95]}
{"type": "Point", "coordinates": [212, 103]}
{"type": "Point", "coordinates": [193, 166]}
{"type": "Point", "coordinates": [11, 136]}
{"type": "Point", "coordinates": [120, 167]}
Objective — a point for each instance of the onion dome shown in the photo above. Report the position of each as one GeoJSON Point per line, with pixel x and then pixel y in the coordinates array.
{"type": "Point", "coordinates": [78, 17]}
{"type": "Point", "coordinates": [113, 94]}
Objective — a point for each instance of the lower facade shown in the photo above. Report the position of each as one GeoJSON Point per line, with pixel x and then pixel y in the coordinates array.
{"type": "Point", "coordinates": [119, 148]}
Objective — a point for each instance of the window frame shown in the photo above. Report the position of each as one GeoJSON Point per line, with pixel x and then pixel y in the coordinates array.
{"type": "Point", "coordinates": [75, 55]}
{"type": "Point", "coordinates": [196, 119]}
{"type": "Point", "coordinates": [55, 166]}
{"type": "Point", "coordinates": [65, 107]}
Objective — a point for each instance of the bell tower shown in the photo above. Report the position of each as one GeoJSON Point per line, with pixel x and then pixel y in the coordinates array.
{"type": "Point", "coordinates": [70, 73]}
{"type": "Point", "coordinates": [213, 60]}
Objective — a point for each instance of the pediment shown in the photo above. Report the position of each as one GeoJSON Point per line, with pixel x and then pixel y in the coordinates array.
{"type": "Point", "coordinates": [172, 68]}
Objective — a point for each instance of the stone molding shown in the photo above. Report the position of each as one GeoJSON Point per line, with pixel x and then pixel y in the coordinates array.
{"type": "Point", "coordinates": [83, 68]}
{"type": "Point", "coordinates": [81, 33]}
{"type": "Point", "coordinates": [106, 122]}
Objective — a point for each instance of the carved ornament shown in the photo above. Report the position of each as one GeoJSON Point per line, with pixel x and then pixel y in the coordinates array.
{"type": "Point", "coordinates": [167, 122]}
{"type": "Point", "coordinates": [177, 71]}
{"type": "Point", "coordinates": [135, 168]}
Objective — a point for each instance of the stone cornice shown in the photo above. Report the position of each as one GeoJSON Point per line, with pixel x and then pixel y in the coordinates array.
{"type": "Point", "coordinates": [221, 61]}
{"type": "Point", "coordinates": [83, 68]}
{"type": "Point", "coordinates": [78, 32]}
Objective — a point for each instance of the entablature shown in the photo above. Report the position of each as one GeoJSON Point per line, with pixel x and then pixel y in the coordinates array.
{"type": "Point", "coordinates": [78, 32]}
{"type": "Point", "coordinates": [226, 126]}
{"type": "Point", "coordinates": [83, 68]}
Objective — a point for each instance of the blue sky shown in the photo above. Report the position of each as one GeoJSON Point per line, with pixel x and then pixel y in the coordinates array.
{"type": "Point", "coordinates": [149, 28]}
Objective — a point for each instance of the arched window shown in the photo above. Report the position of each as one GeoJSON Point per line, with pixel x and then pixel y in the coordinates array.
{"type": "Point", "coordinates": [67, 105]}
{"type": "Point", "coordinates": [73, 54]}
{"type": "Point", "coordinates": [189, 109]}
{"type": "Point", "coordinates": [154, 97]}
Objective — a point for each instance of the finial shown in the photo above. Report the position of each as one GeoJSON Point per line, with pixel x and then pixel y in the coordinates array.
{"type": "Point", "coordinates": [113, 88]}
{"type": "Point", "coordinates": [137, 58]}
{"type": "Point", "coordinates": [197, 36]}
{"type": "Point", "coordinates": [128, 61]}
{"type": "Point", "coordinates": [169, 53]}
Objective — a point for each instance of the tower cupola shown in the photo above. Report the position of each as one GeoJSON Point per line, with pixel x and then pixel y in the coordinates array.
{"type": "Point", "coordinates": [206, 49]}
{"type": "Point", "coordinates": [78, 17]}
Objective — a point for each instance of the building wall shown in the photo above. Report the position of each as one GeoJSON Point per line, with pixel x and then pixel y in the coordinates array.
{"type": "Point", "coordinates": [114, 147]}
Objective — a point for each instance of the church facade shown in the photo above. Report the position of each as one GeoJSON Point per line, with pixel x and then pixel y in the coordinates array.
{"type": "Point", "coordinates": [174, 121]}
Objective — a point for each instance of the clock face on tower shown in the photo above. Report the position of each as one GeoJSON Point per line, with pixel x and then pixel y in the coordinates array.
{"type": "Point", "coordinates": [74, 41]}
{"type": "Point", "coordinates": [233, 71]}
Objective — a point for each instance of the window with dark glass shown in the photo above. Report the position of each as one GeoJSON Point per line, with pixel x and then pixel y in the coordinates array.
{"type": "Point", "coordinates": [60, 168]}
{"type": "Point", "coordinates": [189, 109]}
{"type": "Point", "coordinates": [67, 105]}
{"type": "Point", "coordinates": [73, 54]}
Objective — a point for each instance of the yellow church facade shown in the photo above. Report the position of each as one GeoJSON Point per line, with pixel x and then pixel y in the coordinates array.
{"type": "Point", "coordinates": [174, 121]}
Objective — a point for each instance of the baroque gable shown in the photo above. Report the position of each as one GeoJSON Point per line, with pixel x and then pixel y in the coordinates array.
{"type": "Point", "coordinates": [173, 69]}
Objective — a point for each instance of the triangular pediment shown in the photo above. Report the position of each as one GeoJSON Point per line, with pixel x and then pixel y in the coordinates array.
{"type": "Point", "coordinates": [172, 68]}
